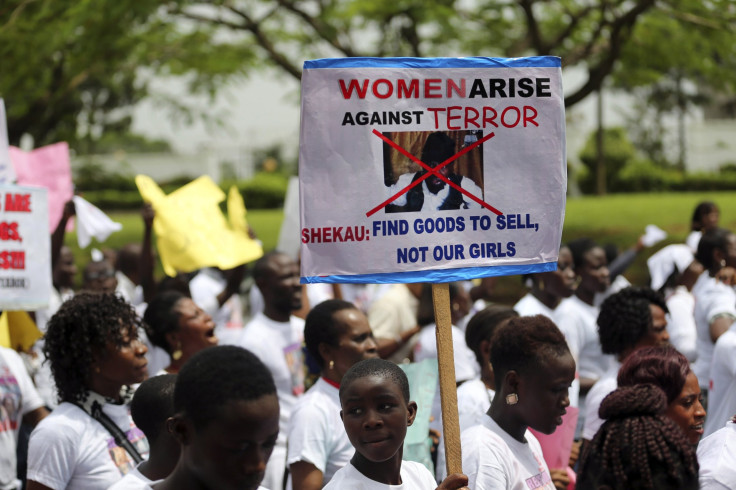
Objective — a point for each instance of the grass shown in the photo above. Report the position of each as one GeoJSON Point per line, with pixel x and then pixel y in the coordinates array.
{"type": "Point", "coordinates": [618, 219]}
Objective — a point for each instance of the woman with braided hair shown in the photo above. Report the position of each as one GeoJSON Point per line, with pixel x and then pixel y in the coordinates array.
{"type": "Point", "coordinates": [638, 447]}
{"type": "Point", "coordinates": [668, 369]}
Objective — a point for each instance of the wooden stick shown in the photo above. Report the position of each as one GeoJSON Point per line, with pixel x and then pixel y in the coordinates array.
{"type": "Point", "coordinates": [448, 385]}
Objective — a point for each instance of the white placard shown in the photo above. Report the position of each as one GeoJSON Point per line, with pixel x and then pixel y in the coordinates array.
{"type": "Point", "coordinates": [25, 248]}
{"type": "Point", "coordinates": [430, 170]}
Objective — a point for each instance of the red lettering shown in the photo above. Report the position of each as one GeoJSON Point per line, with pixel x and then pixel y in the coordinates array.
{"type": "Point", "coordinates": [408, 91]}
{"type": "Point", "coordinates": [436, 111]}
{"type": "Point", "coordinates": [432, 88]}
{"type": "Point", "coordinates": [460, 91]}
{"type": "Point", "coordinates": [491, 120]}
{"type": "Point", "coordinates": [450, 117]}
{"type": "Point", "coordinates": [347, 92]}
{"type": "Point", "coordinates": [13, 260]}
{"type": "Point", "coordinates": [506, 111]}
{"type": "Point", "coordinates": [471, 120]}
{"type": "Point", "coordinates": [531, 119]}
{"type": "Point", "coordinates": [20, 203]}
{"type": "Point", "coordinates": [377, 93]}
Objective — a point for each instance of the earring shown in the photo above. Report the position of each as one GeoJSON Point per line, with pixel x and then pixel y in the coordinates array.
{"type": "Point", "coordinates": [541, 285]}
{"type": "Point", "coordinates": [332, 365]}
{"type": "Point", "coordinates": [512, 399]}
{"type": "Point", "coordinates": [723, 262]}
{"type": "Point", "coordinates": [176, 355]}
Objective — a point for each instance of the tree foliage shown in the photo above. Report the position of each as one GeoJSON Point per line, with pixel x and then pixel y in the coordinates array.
{"type": "Point", "coordinates": [72, 69]}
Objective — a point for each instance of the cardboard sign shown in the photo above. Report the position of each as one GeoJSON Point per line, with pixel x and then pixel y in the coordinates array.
{"type": "Point", "coordinates": [191, 231]}
{"type": "Point", "coordinates": [430, 170]}
{"type": "Point", "coordinates": [48, 167]}
{"type": "Point", "coordinates": [25, 248]}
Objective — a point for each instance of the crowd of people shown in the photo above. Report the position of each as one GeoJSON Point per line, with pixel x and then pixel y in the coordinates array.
{"type": "Point", "coordinates": [189, 382]}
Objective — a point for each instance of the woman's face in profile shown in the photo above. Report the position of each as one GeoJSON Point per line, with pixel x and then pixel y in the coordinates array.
{"type": "Point", "coordinates": [687, 410]}
{"type": "Point", "coordinates": [543, 392]}
{"type": "Point", "coordinates": [355, 342]}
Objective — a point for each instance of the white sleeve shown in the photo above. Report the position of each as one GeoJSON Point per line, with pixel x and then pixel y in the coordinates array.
{"type": "Point", "coordinates": [470, 186]}
{"type": "Point", "coordinates": [681, 324]}
{"type": "Point", "coordinates": [483, 467]}
{"type": "Point", "coordinates": [52, 454]}
{"type": "Point", "coordinates": [308, 437]}
{"type": "Point", "coordinates": [30, 399]}
{"type": "Point", "coordinates": [403, 181]}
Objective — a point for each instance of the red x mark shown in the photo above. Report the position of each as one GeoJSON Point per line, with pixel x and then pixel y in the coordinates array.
{"type": "Point", "coordinates": [433, 171]}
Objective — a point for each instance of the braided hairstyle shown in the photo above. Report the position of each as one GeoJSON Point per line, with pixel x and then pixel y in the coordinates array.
{"type": "Point", "coordinates": [638, 447]}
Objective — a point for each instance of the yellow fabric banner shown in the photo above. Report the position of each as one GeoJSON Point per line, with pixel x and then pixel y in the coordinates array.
{"type": "Point", "coordinates": [191, 231]}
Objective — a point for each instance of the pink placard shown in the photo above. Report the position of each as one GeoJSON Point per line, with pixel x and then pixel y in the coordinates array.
{"type": "Point", "coordinates": [47, 167]}
{"type": "Point", "coordinates": [557, 446]}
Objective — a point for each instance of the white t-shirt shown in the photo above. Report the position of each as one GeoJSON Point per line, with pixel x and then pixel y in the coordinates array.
{"type": "Point", "coordinates": [717, 459]}
{"type": "Point", "coordinates": [70, 449]}
{"type": "Point", "coordinates": [228, 318]}
{"type": "Point", "coordinates": [393, 313]}
{"type": "Point", "coordinates": [529, 305]}
{"type": "Point", "coordinates": [601, 389]}
{"type": "Point", "coordinates": [473, 401]}
{"type": "Point", "coordinates": [712, 299]}
{"type": "Point", "coordinates": [466, 366]}
{"type": "Point", "coordinates": [279, 346]}
{"type": "Point", "coordinates": [414, 476]}
{"type": "Point", "coordinates": [681, 322]}
{"type": "Point", "coordinates": [18, 396]}
{"type": "Point", "coordinates": [134, 480]}
{"type": "Point", "coordinates": [493, 460]}
{"type": "Point", "coordinates": [316, 433]}
{"type": "Point", "coordinates": [722, 391]}
{"type": "Point", "coordinates": [577, 321]}
{"type": "Point", "coordinates": [433, 201]}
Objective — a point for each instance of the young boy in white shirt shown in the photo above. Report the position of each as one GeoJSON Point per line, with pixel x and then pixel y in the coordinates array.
{"type": "Point", "coordinates": [376, 411]}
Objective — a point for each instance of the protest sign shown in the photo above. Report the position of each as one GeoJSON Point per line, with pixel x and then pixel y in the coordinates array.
{"type": "Point", "coordinates": [430, 170]}
{"type": "Point", "coordinates": [47, 167]}
{"type": "Point", "coordinates": [191, 231]}
{"type": "Point", "coordinates": [25, 248]}
{"type": "Point", "coordinates": [7, 173]}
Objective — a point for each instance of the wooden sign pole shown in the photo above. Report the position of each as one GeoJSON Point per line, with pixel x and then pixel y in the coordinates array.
{"type": "Point", "coordinates": [448, 385]}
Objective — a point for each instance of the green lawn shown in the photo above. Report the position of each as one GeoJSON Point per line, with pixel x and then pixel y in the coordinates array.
{"type": "Point", "coordinates": [618, 219]}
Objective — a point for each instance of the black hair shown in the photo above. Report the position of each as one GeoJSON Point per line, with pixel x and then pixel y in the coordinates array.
{"type": "Point", "coordinates": [523, 343]}
{"type": "Point", "coordinates": [702, 209]}
{"type": "Point", "coordinates": [152, 404]}
{"type": "Point", "coordinates": [715, 239]}
{"type": "Point", "coordinates": [128, 258]}
{"type": "Point", "coordinates": [638, 447]}
{"type": "Point", "coordinates": [578, 249]}
{"type": "Point", "coordinates": [380, 368]}
{"type": "Point", "coordinates": [320, 327]}
{"type": "Point", "coordinates": [625, 318]}
{"type": "Point", "coordinates": [81, 329]}
{"type": "Point", "coordinates": [216, 376]}
{"type": "Point", "coordinates": [438, 148]}
{"type": "Point", "coordinates": [263, 267]}
{"type": "Point", "coordinates": [483, 325]}
{"type": "Point", "coordinates": [162, 318]}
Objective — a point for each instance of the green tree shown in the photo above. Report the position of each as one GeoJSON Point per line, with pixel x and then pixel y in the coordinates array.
{"type": "Point", "coordinates": [592, 34]}
{"type": "Point", "coordinates": [679, 55]}
{"type": "Point", "coordinates": [72, 69]}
